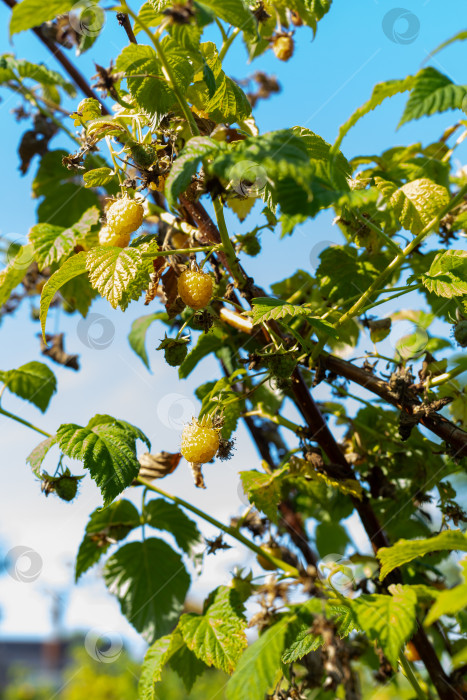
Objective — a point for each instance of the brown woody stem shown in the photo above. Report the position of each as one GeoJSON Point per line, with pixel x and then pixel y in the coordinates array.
{"type": "Point", "coordinates": [73, 72]}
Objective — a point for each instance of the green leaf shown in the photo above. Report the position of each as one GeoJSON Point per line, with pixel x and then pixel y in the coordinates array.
{"type": "Point", "coordinates": [169, 517]}
{"type": "Point", "coordinates": [319, 7]}
{"type": "Point", "coordinates": [259, 669]}
{"type": "Point", "coordinates": [381, 91]}
{"type": "Point", "coordinates": [267, 159]}
{"type": "Point", "coordinates": [303, 644]}
{"type": "Point", "coordinates": [207, 343]}
{"type": "Point", "coordinates": [342, 617]}
{"type": "Point", "coordinates": [137, 334]}
{"type": "Point", "coordinates": [432, 92]}
{"type": "Point", "coordinates": [105, 527]}
{"type": "Point", "coordinates": [331, 538]}
{"type": "Point", "coordinates": [228, 103]}
{"type": "Point", "coordinates": [51, 243]}
{"type": "Point", "coordinates": [406, 550]}
{"type": "Point", "coordinates": [389, 620]}
{"type": "Point", "coordinates": [107, 449]}
{"type": "Point", "coordinates": [220, 394]}
{"type": "Point", "coordinates": [264, 490]}
{"type": "Point", "coordinates": [187, 36]}
{"type": "Point", "coordinates": [147, 251]}
{"type": "Point", "coordinates": [98, 177]}
{"type": "Point", "coordinates": [187, 164]}
{"type": "Point", "coordinates": [416, 203]}
{"type": "Point", "coordinates": [74, 266]}
{"type": "Point", "coordinates": [111, 270]}
{"type": "Point", "coordinates": [268, 309]}
{"type": "Point", "coordinates": [447, 276]}
{"type": "Point", "coordinates": [217, 637]}
{"type": "Point", "coordinates": [151, 583]}
{"type": "Point", "coordinates": [179, 61]}
{"type": "Point", "coordinates": [187, 666]}
{"type": "Point", "coordinates": [153, 94]}
{"type": "Point", "coordinates": [155, 659]}
{"type": "Point", "coordinates": [15, 272]}
{"type": "Point", "coordinates": [234, 12]}
{"type": "Point", "coordinates": [319, 152]}
{"type": "Point", "coordinates": [11, 67]}
{"type": "Point", "coordinates": [65, 203]}
{"type": "Point", "coordinates": [37, 456]}
{"type": "Point", "coordinates": [33, 381]}
{"type": "Point", "coordinates": [449, 602]}
{"type": "Point", "coordinates": [32, 13]}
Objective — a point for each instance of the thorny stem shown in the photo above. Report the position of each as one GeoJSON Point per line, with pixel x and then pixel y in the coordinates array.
{"type": "Point", "coordinates": [399, 292]}
{"type": "Point", "coordinates": [412, 288]}
{"type": "Point", "coordinates": [405, 288]}
{"type": "Point", "coordinates": [287, 568]}
{"type": "Point", "coordinates": [277, 420]}
{"type": "Point", "coordinates": [389, 242]}
{"type": "Point", "coordinates": [182, 251]}
{"type": "Point", "coordinates": [229, 250]}
{"type": "Point", "coordinates": [188, 114]}
{"type": "Point", "coordinates": [399, 259]}
{"type": "Point", "coordinates": [323, 435]}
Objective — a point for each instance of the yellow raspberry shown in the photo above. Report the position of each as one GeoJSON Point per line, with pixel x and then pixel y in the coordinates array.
{"type": "Point", "coordinates": [274, 551]}
{"type": "Point", "coordinates": [179, 240]}
{"type": "Point", "coordinates": [108, 237]}
{"type": "Point", "coordinates": [124, 216]}
{"type": "Point", "coordinates": [195, 289]}
{"type": "Point", "coordinates": [283, 47]}
{"type": "Point", "coordinates": [200, 441]}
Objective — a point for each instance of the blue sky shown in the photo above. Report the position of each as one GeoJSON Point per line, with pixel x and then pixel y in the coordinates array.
{"type": "Point", "coordinates": [324, 83]}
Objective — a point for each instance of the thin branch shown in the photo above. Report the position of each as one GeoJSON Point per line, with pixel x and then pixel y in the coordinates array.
{"type": "Point", "coordinates": [124, 21]}
{"type": "Point", "coordinates": [325, 439]}
{"type": "Point", "coordinates": [73, 72]}
{"type": "Point", "coordinates": [440, 426]}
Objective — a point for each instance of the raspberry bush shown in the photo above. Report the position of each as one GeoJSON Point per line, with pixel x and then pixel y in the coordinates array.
{"type": "Point", "coordinates": [160, 148]}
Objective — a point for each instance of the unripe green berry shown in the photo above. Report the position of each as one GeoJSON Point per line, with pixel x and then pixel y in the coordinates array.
{"type": "Point", "coordinates": [281, 366]}
{"type": "Point", "coordinates": [175, 350]}
{"type": "Point", "coordinates": [66, 487]}
{"type": "Point", "coordinates": [143, 154]}
{"type": "Point", "coordinates": [460, 333]}
{"type": "Point", "coordinates": [175, 354]}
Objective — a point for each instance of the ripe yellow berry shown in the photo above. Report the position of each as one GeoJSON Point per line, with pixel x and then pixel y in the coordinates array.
{"type": "Point", "coordinates": [411, 653]}
{"type": "Point", "coordinates": [274, 551]}
{"type": "Point", "coordinates": [109, 237]}
{"type": "Point", "coordinates": [179, 240]}
{"type": "Point", "coordinates": [195, 289]}
{"type": "Point", "coordinates": [124, 216]}
{"type": "Point", "coordinates": [283, 47]}
{"type": "Point", "coordinates": [200, 441]}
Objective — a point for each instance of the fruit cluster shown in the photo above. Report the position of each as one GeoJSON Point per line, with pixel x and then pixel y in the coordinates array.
{"type": "Point", "coordinates": [124, 216]}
